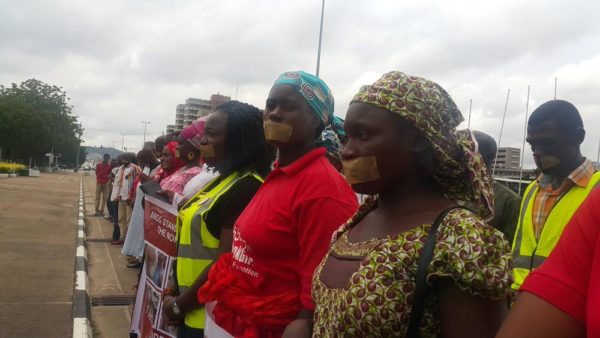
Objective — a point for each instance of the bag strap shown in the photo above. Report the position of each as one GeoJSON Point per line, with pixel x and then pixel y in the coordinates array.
{"type": "Point", "coordinates": [421, 288]}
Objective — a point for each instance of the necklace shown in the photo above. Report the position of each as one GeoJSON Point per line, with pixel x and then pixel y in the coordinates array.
{"type": "Point", "coordinates": [343, 248]}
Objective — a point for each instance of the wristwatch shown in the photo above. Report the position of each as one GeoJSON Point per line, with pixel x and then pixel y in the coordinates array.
{"type": "Point", "coordinates": [176, 310]}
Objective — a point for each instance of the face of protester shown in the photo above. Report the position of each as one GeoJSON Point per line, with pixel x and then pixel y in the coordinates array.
{"type": "Point", "coordinates": [158, 150]}
{"type": "Point", "coordinates": [146, 157]}
{"type": "Point", "coordinates": [553, 149]}
{"type": "Point", "coordinates": [113, 162]}
{"type": "Point", "coordinates": [183, 149]}
{"type": "Point", "coordinates": [379, 133]}
{"type": "Point", "coordinates": [166, 159]}
{"type": "Point", "coordinates": [286, 105]}
{"type": "Point", "coordinates": [215, 135]}
{"type": "Point", "coordinates": [105, 158]}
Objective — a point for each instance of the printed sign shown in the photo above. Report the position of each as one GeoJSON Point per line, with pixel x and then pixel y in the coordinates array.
{"type": "Point", "coordinates": [160, 221]}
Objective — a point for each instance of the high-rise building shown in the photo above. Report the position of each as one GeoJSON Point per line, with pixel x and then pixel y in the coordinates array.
{"type": "Point", "coordinates": [194, 108]}
{"type": "Point", "coordinates": [508, 158]}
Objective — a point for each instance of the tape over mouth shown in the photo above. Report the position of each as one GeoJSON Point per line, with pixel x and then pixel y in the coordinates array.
{"type": "Point", "coordinates": [279, 132]}
{"type": "Point", "coordinates": [361, 170]}
{"type": "Point", "coordinates": [207, 150]}
{"type": "Point", "coordinates": [547, 162]}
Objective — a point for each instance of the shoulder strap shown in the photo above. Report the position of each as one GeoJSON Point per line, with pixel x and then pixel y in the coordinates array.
{"type": "Point", "coordinates": [421, 289]}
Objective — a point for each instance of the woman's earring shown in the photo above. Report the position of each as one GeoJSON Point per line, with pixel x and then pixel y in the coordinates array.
{"type": "Point", "coordinates": [191, 156]}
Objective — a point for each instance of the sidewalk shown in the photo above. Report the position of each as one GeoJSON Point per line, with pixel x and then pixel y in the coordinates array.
{"type": "Point", "coordinates": [111, 282]}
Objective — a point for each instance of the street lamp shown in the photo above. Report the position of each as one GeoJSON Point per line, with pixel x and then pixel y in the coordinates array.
{"type": "Point", "coordinates": [320, 36]}
{"type": "Point", "coordinates": [122, 142]}
{"type": "Point", "coordinates": [146, 123]}
{"type": "Point", "coordinates": [80, 132]}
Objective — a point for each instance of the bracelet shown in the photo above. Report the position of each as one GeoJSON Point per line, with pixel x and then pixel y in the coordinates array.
{"type": "Point", "coordinates": [168, 292]}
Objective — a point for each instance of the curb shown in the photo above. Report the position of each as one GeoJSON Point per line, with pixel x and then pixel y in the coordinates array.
{"type": "Point", "coordinates": [81, 298]}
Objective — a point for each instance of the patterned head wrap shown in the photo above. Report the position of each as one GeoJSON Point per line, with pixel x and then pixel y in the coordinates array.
{"type": "Point", "coordinates": [314, 91]}
{"type": "Point", "coordinates": [459, 173]}
{"type": "Point", "coordinates": [194, 132]}
{"type": "Point", "coordinates": [333, 138]}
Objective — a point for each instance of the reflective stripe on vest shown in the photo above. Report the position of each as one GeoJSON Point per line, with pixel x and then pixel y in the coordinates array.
{"type": "Point", "coordinates": [529, 253]}
{"type": "Point", "coordinates": [197, 248]}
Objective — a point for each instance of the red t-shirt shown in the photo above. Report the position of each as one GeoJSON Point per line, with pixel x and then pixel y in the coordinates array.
{"type": "Point", "coordinates": [570, 278]}
{"type": "Point", "coordinates": [103, 172]}
{"type": "Point", "coordinates": [284, 232]}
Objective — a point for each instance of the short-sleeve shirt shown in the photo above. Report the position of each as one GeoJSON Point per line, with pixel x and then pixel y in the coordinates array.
{"type": "Point", "coordinates": [378, 298]}
{"type": "Point", "coordinates": [103, 172]}
{"type": "Point", "coordinates": [570, 278]}
{"type": "Point", "coordinates": [177, 181]}
{"type": "Point", "coordinates": [281, 236]}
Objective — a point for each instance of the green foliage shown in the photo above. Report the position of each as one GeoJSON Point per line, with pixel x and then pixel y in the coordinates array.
{"type": "Point", "coordinates": [34, 119]}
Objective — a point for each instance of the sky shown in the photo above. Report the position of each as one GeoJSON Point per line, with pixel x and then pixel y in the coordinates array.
{"type": "Point", "coordinates": [122, 62]}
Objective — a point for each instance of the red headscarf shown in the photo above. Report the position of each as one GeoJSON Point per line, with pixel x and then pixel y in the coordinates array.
{"type": "Point", "coordinates": [174, 164]}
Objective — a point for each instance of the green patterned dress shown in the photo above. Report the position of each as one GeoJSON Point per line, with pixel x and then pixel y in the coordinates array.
{"type": "Point", "coordinates": [378, 298]}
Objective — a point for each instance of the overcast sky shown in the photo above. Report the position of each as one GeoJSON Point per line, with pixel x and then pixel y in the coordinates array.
{"type": "Point", "coordinates": [122, 62]}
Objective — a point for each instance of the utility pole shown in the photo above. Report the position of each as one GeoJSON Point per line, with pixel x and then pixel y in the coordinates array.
{"type": "Point", "coordinates": [470, 106]}
{"type": "Point", "coordinates": [146, 123]}
{"type": "Point", "coordinates": [78, 146]}
{"type": "Point", "coordinates": [500, 137]}
{"type": "Point", "coordinates": [320, 38]}
{"type": "Point", "coordinates": [123, 142]}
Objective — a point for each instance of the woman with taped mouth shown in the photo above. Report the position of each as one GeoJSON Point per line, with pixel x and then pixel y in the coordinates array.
{"type": "Point", "coordinates": [233, 144]}
{"type": "Point", "coordinates": [412, 262]}
{"type": "Point", "coordinates": [263, 288]}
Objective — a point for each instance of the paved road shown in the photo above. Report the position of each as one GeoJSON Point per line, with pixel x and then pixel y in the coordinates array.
{"type": "Point", "coordinates": [38, 221]}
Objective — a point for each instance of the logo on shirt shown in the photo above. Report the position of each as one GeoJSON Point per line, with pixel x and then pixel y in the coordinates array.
{"type": "Point", "coordinates": [240, 248]}
{"type": "Point", "coordinates": [240, 252]}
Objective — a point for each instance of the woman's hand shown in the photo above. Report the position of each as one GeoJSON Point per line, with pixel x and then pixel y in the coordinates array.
{"type": "Point", "coordinates": [167, 193]}
{"type": "Point", "coordinates": [299, 328]}
{"type": "Point", "coordinates": [144, 178]}
{"type": "Point", "coordinates": [173, 319]}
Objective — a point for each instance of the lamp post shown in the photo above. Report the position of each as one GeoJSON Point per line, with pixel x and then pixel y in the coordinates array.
{"type": "Point", "coordinates": [146, 123]}
{"type": "Point", "coordinates": [320, 38]}
{"type": "Point", "coordinates": [79, 131]}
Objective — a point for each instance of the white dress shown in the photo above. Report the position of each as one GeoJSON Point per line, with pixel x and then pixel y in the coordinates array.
{"type": "Point", "coordinates": [134, 241]}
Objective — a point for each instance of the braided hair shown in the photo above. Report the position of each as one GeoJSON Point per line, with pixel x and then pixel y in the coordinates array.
{"type": "Point", "coordinates": [245, 140]}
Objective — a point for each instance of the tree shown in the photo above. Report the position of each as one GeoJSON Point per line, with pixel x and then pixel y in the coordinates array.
{"type": "Point", "coordinates": [36, 118]}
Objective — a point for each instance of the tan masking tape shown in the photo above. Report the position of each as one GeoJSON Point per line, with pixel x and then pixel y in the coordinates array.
{"type": "Point", "coordinates": [279, 132]}
{"type": "Point", "coordinates": [548, 161]}
{"type": "Point", "coordinates": [361, 170]}
{"type": "Point", "coordinates": [207, 151]}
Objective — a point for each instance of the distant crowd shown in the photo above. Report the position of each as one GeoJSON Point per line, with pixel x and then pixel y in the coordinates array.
{"type": "Point", "coordinates": [295, 223]}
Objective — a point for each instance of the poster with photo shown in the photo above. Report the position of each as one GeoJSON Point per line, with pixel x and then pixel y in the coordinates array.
{"type": "Point", "coordinates": [160, 221]}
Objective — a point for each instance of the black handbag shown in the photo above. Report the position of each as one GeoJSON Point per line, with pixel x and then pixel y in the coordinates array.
{"type": "Point", "coordinates": [421, 288]}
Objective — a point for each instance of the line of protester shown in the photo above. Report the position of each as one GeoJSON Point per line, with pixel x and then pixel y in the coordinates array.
{"type": "Point", "coordinates": [274, 246]}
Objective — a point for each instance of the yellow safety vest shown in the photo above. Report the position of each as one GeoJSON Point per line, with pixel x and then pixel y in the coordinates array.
{"type": "Point", "coordinates": [196, 247]}
{"type": "Point", "coordinates": [529, 253]}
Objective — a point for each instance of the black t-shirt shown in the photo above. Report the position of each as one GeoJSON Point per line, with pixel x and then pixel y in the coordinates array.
{"type": "Point", "coordinates": [230, 205]}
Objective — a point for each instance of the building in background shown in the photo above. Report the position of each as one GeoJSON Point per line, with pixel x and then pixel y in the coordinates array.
{"type": "Point", "coordinates": [194, 108]}
{"type": "Point", "coordinates": [508, 165]}
{"type": "Point", "coordinates": [508, 158]}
